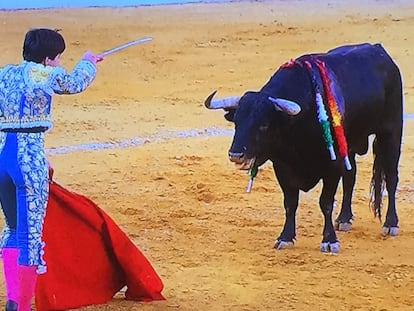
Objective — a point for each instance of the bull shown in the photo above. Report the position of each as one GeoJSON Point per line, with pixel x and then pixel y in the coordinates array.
{"type": "Point", "coordinates": [282, 123]}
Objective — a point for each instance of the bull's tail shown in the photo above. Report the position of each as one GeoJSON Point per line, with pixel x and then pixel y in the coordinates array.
{"type": "Point", "coordinates": [377, 183]}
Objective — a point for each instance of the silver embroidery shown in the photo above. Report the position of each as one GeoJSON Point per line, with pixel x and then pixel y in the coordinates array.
{"type": "Point", "coordinates": [26, 91]}
{"type": "Point", "coordinates": [32, 161]}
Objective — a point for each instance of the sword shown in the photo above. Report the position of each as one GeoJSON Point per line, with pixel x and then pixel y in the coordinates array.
{"type": "Point", "coordinates": [123, 46]}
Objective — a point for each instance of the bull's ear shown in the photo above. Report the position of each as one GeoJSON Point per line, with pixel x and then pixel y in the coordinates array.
{"type": "Point", "coordinates": [229, 116]}
{"type": "Point", "coordinates": [287, 106]}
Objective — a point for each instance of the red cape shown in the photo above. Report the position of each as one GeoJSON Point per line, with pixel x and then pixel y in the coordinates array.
{"type": "Point", "coordinates": [89, 258]}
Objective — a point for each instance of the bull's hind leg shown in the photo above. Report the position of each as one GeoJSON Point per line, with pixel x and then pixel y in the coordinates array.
{"type": "Point", "coordinates": [344, 219]}
{"type": "Point", "coordinates": [329, 240]}
{"type": "Point", "coordinates": [387, 150]}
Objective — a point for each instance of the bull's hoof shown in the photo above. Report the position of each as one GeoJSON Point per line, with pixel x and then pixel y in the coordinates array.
{"type": "Point", "coordinates": [283, 244]}
{"type": "Point", "coordinates": [391, 231]}
{"type": "Point", "coordinates": [327, 247]}
{"type": "Point", "coordinates": [344, 226]}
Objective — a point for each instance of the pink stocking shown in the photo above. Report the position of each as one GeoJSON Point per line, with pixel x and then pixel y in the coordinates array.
{"type": "Point", "coordinates": [10, 273]}
{"type": "Point", "coordinates": [27, 283]}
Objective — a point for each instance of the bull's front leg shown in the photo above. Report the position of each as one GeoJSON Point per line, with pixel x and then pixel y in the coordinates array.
{"type": "Point", "coordinates": [288, 234]}
{"type": "Point", "coordinates": [326, 201]}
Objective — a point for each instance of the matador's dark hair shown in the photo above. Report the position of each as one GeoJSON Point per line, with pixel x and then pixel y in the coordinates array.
{"type": "Point", "coordinates": [40, 43]}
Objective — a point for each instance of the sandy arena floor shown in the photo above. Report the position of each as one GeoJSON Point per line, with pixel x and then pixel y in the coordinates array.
{"type": "Point", "coordinates": [176, 194]}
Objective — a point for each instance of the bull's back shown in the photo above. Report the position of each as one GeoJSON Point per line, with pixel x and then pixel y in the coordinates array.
{"type": "Point", "coordinates": [370, 84]}
{"type": "Point", "coordinates": [365, 72]}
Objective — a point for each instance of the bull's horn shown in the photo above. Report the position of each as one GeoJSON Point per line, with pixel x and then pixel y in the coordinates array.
{"type": "Point", "coordinates": [288, 106]}
{"type": "Point", "coordinates": [223, 103]}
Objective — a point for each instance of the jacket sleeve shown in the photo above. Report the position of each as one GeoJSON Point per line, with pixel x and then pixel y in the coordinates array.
{"type": "Point", "coordinates": [74, 82]}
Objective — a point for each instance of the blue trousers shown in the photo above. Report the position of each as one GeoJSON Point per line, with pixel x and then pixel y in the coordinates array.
{"type": "Point", "coordinates": [24, 187]}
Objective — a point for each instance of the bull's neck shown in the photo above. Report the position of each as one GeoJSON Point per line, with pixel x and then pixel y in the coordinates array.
{"type": "Point", "coordinates": [290, 82]}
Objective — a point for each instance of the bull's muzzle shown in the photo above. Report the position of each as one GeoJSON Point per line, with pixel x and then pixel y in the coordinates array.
{"type": "Point", "coordinates": [241, 160]}
{"type": "Point", "coordinates": [236, 157]}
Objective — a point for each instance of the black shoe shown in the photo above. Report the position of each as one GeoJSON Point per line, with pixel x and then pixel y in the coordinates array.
{"type": "Point", "coordinates": [11, 305]}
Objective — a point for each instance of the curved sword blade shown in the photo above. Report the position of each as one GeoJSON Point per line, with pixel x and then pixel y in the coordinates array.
{"type": "Point", "coordinates": [124, 46]}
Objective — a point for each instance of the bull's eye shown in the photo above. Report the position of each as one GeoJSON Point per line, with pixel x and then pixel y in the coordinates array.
{"type": "Point", "coordinates": [263, 128]}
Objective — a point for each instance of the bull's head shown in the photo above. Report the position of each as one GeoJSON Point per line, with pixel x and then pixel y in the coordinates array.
{"type": "Point", "coordinates": [253, 114]}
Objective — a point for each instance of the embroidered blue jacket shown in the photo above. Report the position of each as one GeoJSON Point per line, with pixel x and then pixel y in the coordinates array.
{"type": "Point", "coordinates": [26, 92]}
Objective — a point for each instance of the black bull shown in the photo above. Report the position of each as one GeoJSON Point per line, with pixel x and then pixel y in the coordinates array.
{"type": "Point", "coordinates": [280, 123]}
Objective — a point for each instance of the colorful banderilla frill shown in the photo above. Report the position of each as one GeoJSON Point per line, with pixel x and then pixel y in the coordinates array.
{"type": "Point", "coordinates": [322, 115]}
{"type": "Point", "coordinates": [326, 127]}
{"type": "Point", "coordinates": [335, 115]}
